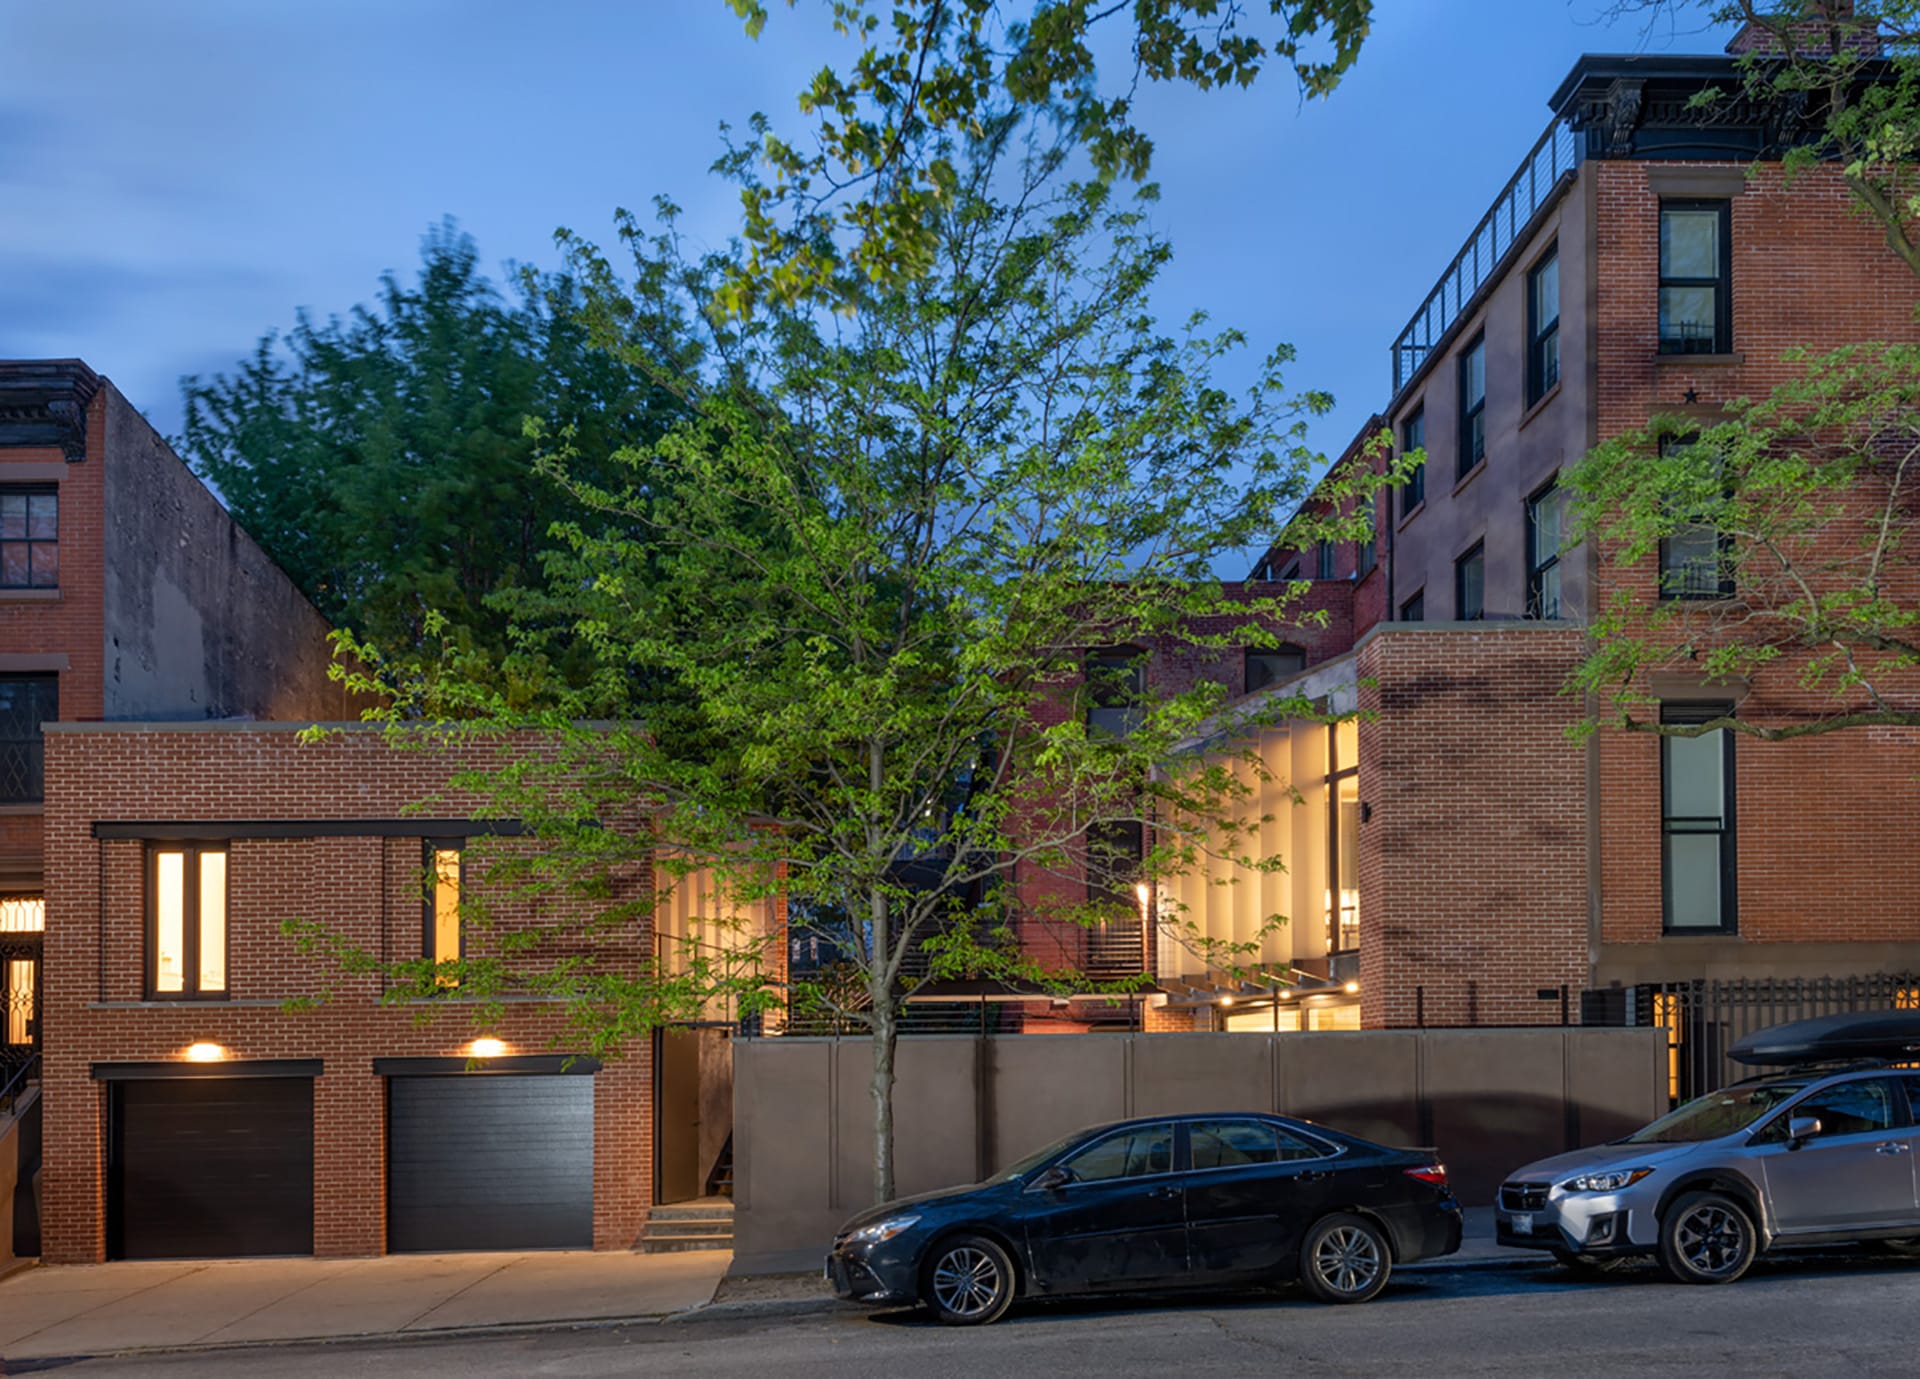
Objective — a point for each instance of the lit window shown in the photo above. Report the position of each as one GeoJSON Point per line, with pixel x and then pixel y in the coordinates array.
{"type": "Point", "coordinates": [187, 924]}
{"type": "Point", "coordinates": [443, 905]}
{"type": "Point", "coordinates": [23, 914]}
{"type": "Point", "coordinates": [29, 538]}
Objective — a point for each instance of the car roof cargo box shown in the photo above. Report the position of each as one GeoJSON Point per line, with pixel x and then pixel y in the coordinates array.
{"type": "Point", "coordinates": [1889, 1035]}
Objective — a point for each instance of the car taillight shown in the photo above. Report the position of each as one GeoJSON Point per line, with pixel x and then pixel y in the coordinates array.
{"type": "Point", "coordinates": [1430, 1173]}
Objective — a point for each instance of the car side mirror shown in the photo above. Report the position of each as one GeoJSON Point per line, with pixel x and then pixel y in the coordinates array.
{"type": "Point", "coordinates": [1053, 1179]}
{"type": "Point", "coordinates": [1800, 1129]}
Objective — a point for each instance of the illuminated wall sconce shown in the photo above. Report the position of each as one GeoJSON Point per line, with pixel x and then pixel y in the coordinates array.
{"type": "Point", "coordinates": [1226, 1000]}
{"type": "Point", "coordinates": [1286, 993]}
{"type": "Point", "coordinates": [1353, 988]}
{"type": "Point", "coordinates": [202, 1051]}
{"type": "Point", "coordinates": [487, 1048]}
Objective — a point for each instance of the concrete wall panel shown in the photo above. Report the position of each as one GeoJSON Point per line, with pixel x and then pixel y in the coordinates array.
{"type": "Point", "coordinates": [1362, 1083]}
{"type": "Point", "coordinates": [1203, 1072]}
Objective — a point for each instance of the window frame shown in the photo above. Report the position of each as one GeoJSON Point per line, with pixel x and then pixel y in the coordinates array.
{"type": "Point", "coordinates": [31, 491]}
{"type": "Point", "coordinates": [1724, 584]}
{"type": "Point", "coordinates": [1252, 655]}
{"type": "Point", "coordinates": [1701, 711]}
{"type": "Point", "coordinates": [1541, 334]}
{"type": "Point", "coordinates": [1721, 282]}
{"type": "Point", "coordinates": [1536, 566]}
{"type": "Point", "coordinates": [1337, 772]}
{"type": "Point", "coordinates": [191, 851]}
{"type": "Point", "coordinates": [1417, 599]}
{"type": "Point", "coordinates": [1473, 438]}
{"type": "Point", "coordinates": [1174, 1137]}
{"type": "Point", "coordinates": [430, 930]}
{"type": "Point", "coordinates": [1107, 838]}
{"type": "Point", "coordinates": [1477, 551]}
{"type": "Point", "coordinates": [1413, 436]}
{"type": "Point", "coordinates": [1365, 556]}
{"type": "Point", "coordinates": [1094, 668]}
{"type": "Point", "coordinates": [36, 749]}
{"type": "Point", "coordinates": [1280, 1135]}
{"type": "Point", "coordinates": [1325, 559]}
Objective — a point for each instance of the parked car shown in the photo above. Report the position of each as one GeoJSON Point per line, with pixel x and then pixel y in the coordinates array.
{"type": "Point", "coordinates": [1820, 1152]}
{"type": "Point", "coordinates": [1165, 1202]}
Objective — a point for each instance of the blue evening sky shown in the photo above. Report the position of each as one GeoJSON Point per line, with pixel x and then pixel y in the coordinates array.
{"type": "Point", "coordinates": [176, 178]}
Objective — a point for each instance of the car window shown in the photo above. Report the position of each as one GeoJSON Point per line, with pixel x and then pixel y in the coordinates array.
{"type": "Point", "coordinates": [1129, 1154]}
{"type": "Point", "coordinates": [1846, 1108]}
{"type": "Point", "coordinates": [1716, 1114]}
{"type": "Point", "coordinates": [1237, 1143]}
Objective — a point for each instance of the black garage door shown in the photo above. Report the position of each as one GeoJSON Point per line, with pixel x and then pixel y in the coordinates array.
{"type": "Point", "coordinates": [489, 1162]}
{"type": "Point", "coordinates": [210, 1167]}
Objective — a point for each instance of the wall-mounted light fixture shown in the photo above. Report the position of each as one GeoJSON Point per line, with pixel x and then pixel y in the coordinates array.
{"type": "Point", "coordinates": [488, 1047]}
{"type": "Point", "coordinates": [205, 1051]}
{"type": "Point", "coordinates": [1353, 988]}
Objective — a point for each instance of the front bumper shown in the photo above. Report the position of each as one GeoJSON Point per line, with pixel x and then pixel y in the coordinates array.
{"type": "Point", "coordinates": [872, 1275]}
{"type": "Point", "coordinates": [1600, 1224]}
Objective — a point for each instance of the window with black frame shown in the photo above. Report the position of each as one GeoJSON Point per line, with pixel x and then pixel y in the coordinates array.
{"type": "Point", "coordinates": [1413, 436]}
{"type": "Point", "coordinates": [1470, 584]}
{"type": "Point", "coordinates": [1546, 520]}
{"type": "Point", "coordinates": [27, 702]}
{"type": "Point", "coordinates": [187, 921]}
{"type": "Point", "coordinates": [1115, 681]}
{"type": "Point", "coordinates": [1473, 405]}
{"type": "Point", "coordinates": [1696, 271]}
{"type": "Point", "coordinates": [1415, 608]}
{"type": "Point", "coordinates": [1270, 665]}
{"type": "Point", "coordinates": [1364, 555]}
{"type": "Point", "coordinates": [1323, 560]}
{"type": "Point", "coordinates": [1697, 822]}
{"type": "Point", "coordinates": [1694, 555]}
{"type": "Point", "coordinates": [1543, 326]}
{"type": "Point", "coordinates": [29, 538]}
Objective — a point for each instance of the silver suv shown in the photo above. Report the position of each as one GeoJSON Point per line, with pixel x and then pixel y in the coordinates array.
{"type": "Point", "coordinates": [1812, 1156]}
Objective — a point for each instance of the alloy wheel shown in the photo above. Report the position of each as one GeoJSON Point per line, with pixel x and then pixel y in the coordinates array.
{"type": "Point", "coordinates": [1711, 1238]}
{"type": "Point", "coordinates": [1347, 1259]}
{"type": "Point", "coordinates": [967, 1282]}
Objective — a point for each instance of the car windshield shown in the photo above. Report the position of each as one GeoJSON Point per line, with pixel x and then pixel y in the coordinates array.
{"type": "Point", "coordinates": [1716, 1114]}
{"type": "Point", "coordinates": [1021, 1167]}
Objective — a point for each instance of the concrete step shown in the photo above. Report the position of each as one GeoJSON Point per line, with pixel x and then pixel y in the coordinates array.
{"type": "Point", "coordinates": [675, 1244]}
{"type": "Point", "coordinates": [693, 1211]}
{"type": "Point", "coordinates": [664, 1229]}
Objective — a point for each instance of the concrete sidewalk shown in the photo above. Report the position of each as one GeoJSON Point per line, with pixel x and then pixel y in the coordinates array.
{"type": "Point", "coordinates": [106, 1308]}
{"type": "Point", "coordinates": [1477, 1250]}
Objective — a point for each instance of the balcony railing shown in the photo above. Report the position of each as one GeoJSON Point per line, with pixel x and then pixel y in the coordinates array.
{"type": "Point", "coordinates": [1555, 156]}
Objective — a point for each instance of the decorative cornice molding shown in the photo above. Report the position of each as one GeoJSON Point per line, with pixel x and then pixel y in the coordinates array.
{"type": "Point", "coordinates": [43, 402]}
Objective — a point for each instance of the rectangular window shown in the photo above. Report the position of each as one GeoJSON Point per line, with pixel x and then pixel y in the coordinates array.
{"type": "Point", "coordinates": [1696, 823]}
{"type": "Point", "coordinates": [1543, 326]}
{"type": "Point", "coordinates": [1473, 405]}
{"type": "Point", "coordinates": [1113, 863]}
{"type": "Point", "coordinates": [443, 938]}
{"type": "Point", "coordinates": [1115, 683]}
{"type": "Point", "coordinates": [1270, 665]}
{"type": "Point", "coordinates": [29, 538]}
{"type": "Point", "coordinates": [1694, 555]}
{"type": "Point", "coordinates": [1696, 271]}
{"type": "Point", "coordinates": [1415, 608]}
{"type": "Point", "coordinates": [1363, 549]}
{"type": "Point", "coordinates": [26, 702]}
{"type": "Point", "coordinates": [1470, 584]}
{"type": "Point", "coordinates": [1546, 512]}
{"type": "Point", "coordinates": [187, 922]}
{"type": "Point", "coordinates": [1413, 436]}
{"type": "Point", "coordinates": [1323, 560]}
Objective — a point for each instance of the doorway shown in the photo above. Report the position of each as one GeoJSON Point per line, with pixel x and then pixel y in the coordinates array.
{"type": "Point", "coordinates": [693, 1113]}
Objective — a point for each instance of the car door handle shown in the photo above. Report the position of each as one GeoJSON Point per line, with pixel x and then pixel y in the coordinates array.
{"type": "Point", "coordinates": [1164, 1192]}
{"type": "Point", "coordinates": [1892, 1147]}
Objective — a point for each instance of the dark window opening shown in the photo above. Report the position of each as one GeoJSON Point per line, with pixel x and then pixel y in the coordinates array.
{"type": "Point", "coordinates": [1546, 521]}
{"type": "Point", "coordinates": [1543, 327]}
{"type": "Point", "coordinates": [1116, 680]}
{"type": "Point", "coordinates": [1696, 823]}
{"type": "Point", "coordinates": [1470, 584]}
{"type": "Point", "coordinates": [1363, 549]}
{"type": "Point", "coordinates": [1291, 573]}
{"type": "Point", "coordinates": [1696, 272]}
{"type": "Point", "coordinates": [1113, 863]}
{"type": "Point", "coordinates": [1323, 560]}
{"type": "Point", "coordinates": [1413, 436]}
{"type": "Point", "coordinates": [1473, 405]}
{"type": "Point", "coordinates": [29, 538]}
{"type": "Point", "coordinates": [26, 702]}
{"type": "Point", "coordinates": [1415, 608]}
{"type": "Point", "coordinates": [1270, 665]}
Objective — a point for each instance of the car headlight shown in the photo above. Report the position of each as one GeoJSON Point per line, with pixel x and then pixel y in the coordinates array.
{"type": "Point", "coordinates": [877, 1232]}
{"type": "Point", "coordinates": [1610, 1181]}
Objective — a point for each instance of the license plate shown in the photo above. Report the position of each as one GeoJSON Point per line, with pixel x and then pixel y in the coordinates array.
{"type": "Point", "coordinates": [1523, 1223]}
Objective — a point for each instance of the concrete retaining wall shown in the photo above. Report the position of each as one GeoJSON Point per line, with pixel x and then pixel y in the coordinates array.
{"type": "Point", "coordinates": [1490, 1100]}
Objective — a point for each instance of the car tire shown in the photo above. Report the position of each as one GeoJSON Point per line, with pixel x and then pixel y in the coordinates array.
{"type": "Point", "coordinates": [1345, 1258]}
{"type": "Point", "coordinates": [1899, 1249]}
{"type": "Point", "coordinates": [1707, 1237]}
{"type": "Point", "coordinates": [1588, 1266]}
{"type": "Point", "coordinates": [968, 1281]}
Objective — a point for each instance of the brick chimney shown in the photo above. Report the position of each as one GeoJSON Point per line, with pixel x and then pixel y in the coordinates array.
{"type": "Point", "coordinates": [1859, 37]}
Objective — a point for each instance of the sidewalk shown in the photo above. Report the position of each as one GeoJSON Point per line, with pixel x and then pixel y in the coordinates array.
{"type": "Point", "coordinates": [104, 1308]}
{"type": "Point", "coordinates": [1477, 1249]}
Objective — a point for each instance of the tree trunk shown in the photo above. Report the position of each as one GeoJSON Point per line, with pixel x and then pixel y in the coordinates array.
{"type": "Point", "coordinates": [885, 1037]}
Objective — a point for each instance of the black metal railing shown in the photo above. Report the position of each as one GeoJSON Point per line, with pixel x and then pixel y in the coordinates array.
{"type": "Point", "coordinates": [1704, 1019]}
{"type": "Point", "coordinates": [24, 1073]}
{"type": "Point", "coordinates": [1555, 156]}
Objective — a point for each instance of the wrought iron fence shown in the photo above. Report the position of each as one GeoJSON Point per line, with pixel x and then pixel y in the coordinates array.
{"type": "Point", "coordinates": [1704, 1019]}
{"type": "Point", "coordinates": [1555, 156]}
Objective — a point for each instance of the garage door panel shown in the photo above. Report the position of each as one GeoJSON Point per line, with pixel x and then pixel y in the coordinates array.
{"type": "Point", "coordinates": [489, 1162]}
{"type": "Point", "coordinates": [211, 1168]}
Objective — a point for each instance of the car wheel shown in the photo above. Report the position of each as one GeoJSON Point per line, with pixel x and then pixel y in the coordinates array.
{"type": "Point", "coordinates": [1587, 1266]}
{"type": "Point", "coordinates": [969, 1281]}
{"type": "Point", "coordinates": [1707, 1237]}
{"type": "Point", "coordinates": [1345, 1259]}
{"type": "Point", "coordinates": [1899, 1249]}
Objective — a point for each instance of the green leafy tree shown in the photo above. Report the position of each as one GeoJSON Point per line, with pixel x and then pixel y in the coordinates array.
{"type": "Point", "coordinates": [840, 665]}
{"type": "Point", "coordinates": [877, 169]}
{"type": "Point", "coordinates": [382, 457]}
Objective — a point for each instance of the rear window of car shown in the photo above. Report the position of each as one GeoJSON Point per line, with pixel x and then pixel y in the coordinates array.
{"type": "Point", "coordinates": [1239, 1143]}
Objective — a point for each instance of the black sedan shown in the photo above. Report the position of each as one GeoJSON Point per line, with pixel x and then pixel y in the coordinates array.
{"type": "Point", "coordinates": [1166, 1202]}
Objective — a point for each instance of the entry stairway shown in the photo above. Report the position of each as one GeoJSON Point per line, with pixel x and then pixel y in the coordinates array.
{"type": "Point", "coordinates": [703, 1224]}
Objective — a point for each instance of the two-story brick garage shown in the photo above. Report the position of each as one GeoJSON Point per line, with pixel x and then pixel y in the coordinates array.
{"type": "Point", "coordinates": [191, 1113]}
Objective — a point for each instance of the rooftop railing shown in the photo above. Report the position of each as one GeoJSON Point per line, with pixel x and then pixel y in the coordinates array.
{"type": "Point", "coordinates": [1555, 156]}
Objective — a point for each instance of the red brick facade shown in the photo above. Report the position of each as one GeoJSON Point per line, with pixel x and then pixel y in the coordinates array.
{"type": "Point", "coordinates": [367, 889]}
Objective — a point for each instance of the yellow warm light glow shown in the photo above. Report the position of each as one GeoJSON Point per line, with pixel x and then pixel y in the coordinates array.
{"type": "Point", "coordinates": [1140, 889]}
{"type": "Point", "coordinates": [1287, 995]}
{"type": "Point", "coordinates": [487, 1048]}
{"type": "Point", "coordinates": [204, 1052]}
{"type": "Point", "coordinates": [1352, 988]}
{"type": "Point", "coordinates": [1226, 1000]}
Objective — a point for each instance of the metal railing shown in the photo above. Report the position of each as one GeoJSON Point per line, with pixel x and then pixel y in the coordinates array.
{"type": "Point", "coordinates": [1555, 156]}
{"type": "Point", "coordinates": [25, 1075]}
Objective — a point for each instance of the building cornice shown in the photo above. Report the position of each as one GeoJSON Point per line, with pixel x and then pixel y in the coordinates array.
{"type": "Point", "coordinates": [43, 402]}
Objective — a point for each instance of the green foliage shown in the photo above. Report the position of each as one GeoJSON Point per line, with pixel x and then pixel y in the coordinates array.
{"type": "Point", "coordinates": [929, 71]}
{"type": "Point", "coordinates": [382, 458]}
{"type": "Point", "coordinates": [1813, 491]}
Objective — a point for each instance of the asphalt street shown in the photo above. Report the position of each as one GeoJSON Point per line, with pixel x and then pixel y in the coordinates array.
{"type": "Point", "coordinates": [1789, 1317]}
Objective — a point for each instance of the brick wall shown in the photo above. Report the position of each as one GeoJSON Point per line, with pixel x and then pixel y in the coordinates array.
{"type": "Point", "coordinates": [368, 889]}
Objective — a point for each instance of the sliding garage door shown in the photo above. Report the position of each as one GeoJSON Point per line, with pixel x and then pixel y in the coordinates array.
{"type": "Point", "coordinates": [210, 1167]}
{"type": "Point", "coordinates": [498, 1161]}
